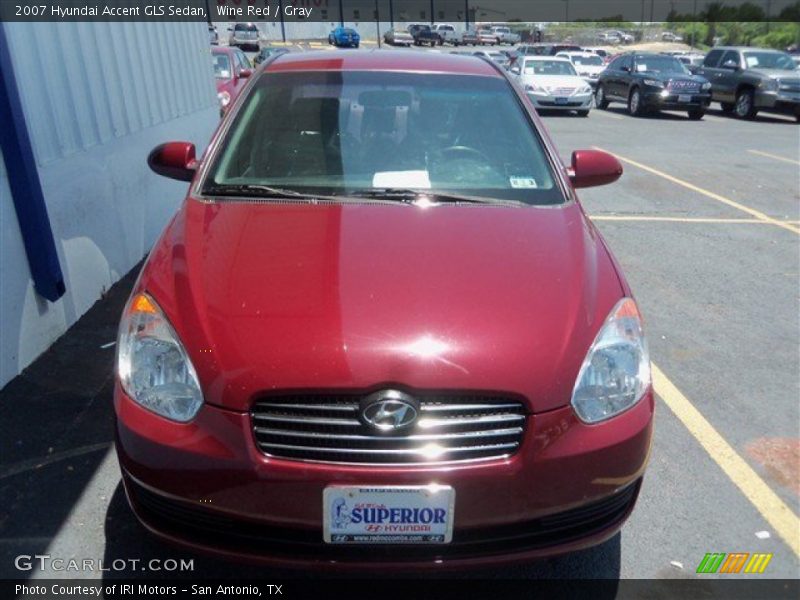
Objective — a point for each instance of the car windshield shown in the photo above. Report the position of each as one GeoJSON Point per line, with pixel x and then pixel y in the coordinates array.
{"type": "Point", "coordinates": [222, 66]}
{"type": "Point", "coordinates": [548, 67]}
{"type": "Point", "coordinates": [354, 133]}
{"type": "Point", "coordinates": [591, 61]}
{"type": "Point", "coordinates": [659, 64]}
{"type": "Point", "coordinates": [246, 29]}
{"type": "Point", "coordinates": [769, 60]}
{"type": "Point", "coordinates": [349, 31]}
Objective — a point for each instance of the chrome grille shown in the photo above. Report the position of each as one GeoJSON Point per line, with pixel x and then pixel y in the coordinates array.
{"type": "Point", "coordinates": [680, 85]}
{"type": "Point", "coordinates": [561, 91]}
{"type": "Point", "coordinates": [789, 85]}
{"type": "Point", "coordinates": [327, 427]}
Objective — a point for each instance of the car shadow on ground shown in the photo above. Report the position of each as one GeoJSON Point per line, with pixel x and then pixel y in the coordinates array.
{"type": "Point", "coordinates": [760, 117]}
{"type": "Point", "coordinates": [127, 539]}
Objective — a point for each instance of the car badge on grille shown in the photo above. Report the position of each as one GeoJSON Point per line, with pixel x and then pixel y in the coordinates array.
{"type": "Point", "coordinates": [389, 410]}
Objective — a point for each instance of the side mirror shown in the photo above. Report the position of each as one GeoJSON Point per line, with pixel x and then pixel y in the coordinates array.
{"type": "Point", "coordinates": [593, 167]}
{"type": "Point", "coordinates": [625, 68]}
{"type": "Point", "coordinates": [730, 64]}
{"type": "Point", "coordinates": [515, 70]}
{"type": "Point", "coordinates": [245, 73]}
{"type": "Point", "coordinates": [175, 160]}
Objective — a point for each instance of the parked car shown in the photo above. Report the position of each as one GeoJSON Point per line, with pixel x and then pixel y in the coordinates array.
{"type": "Point", "coordinates": [232, 69]}
{"type": "Point", "coordinates": [447, 33]}
{"type": "Point", "coordinates": [495, 56]}
{"type": "Point", "coordinates": [424, 35]}
{"type": "Point", "coordinates": [748, 80]}
{"type": "Point", "coordinates": [599, 51]}
{"type": "Point", "coordinates": [470, 37]}
{"type": "Point", "coordinates": [587, 64]}
{"type": "Point", "coordinates": [398, 37]}
{"type": "Point", "coordinates": [668, 36]}
{"type": "Point", "coordinates": [344, 37]}
{"type": "Point", "coordinates": [305, 371]}
{"type": "Point", "coordinates": [608, 38]}
{"type": "Point", "coordinates": [486, 37]}
{"type": "Point", "coordinates": [504, 35]}
{"type": "Point", "coordinates": [621, 36]}
{"type": "Point", "coordinates": [244, 36]}
{"type": "Point", "coordinates": [553, 84]}
{"type": "Point", "coordinates": [213, 36]}
{"type": "Point", "coordinates": [266, 52]}
{"type": "Point", "coordinates": [547, 49]}
{"type": "Point", "coordinates": [647, 82]}
{"type": "Point", "coordinates": [692, 61]}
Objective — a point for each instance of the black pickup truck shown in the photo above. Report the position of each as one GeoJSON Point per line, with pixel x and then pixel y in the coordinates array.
{"type": "Point", "coordinates": [423, 34]}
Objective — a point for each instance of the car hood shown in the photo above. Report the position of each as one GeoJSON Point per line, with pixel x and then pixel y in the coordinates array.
{"type": "Point", "coordinates": [781, 74]}
{"type": "Point", "coordinates": [591, 69]}
{"type": "Point", "coordinates": [554, 81]}
{"type": "Point", "coordinates": [279, 296]}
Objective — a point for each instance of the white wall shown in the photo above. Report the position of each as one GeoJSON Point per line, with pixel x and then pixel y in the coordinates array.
{"type": "Point", "coordinates": [97, 98]}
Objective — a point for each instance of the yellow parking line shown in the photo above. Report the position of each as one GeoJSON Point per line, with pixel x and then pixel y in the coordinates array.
{"type": "Point", "coordinates": [774, 510]}
{"type": "Point", "coordinates": [750, 211]}
{"type": "Point", "coordinates": [791, 161]}
{"type": "Point", "coordinates": [598, 111]}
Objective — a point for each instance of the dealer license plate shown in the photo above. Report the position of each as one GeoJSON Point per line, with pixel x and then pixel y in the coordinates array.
{"type": "Point", "coordinates": [388, 514]}
{"type": "Point", "coordinates": [684, 98]}
{"type": "Point", "coordinates": [562, 100]}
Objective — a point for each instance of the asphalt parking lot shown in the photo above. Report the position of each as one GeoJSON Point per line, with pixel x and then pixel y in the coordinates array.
{"type": "Point", "coordinates": [705, 223]}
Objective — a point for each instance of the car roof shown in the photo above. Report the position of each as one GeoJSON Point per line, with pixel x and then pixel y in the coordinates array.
{"type": "Point", "coordinates": [745, 48]}
{"type": "Point", "coordinates": [549, 58]}
{"type": "Point", "coordinates": [383, 60]}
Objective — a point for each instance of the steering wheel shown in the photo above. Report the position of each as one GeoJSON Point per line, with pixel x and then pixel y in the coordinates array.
{"type": "Point", "coordinates": [465, 166]}
{"type": "Point", "coordinates": [465, 152]}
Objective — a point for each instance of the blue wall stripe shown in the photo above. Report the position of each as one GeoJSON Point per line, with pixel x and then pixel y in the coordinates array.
{"type": "Point", "coordinates": [26, 189]}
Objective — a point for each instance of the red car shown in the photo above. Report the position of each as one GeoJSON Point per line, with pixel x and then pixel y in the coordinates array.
{"type": "Point", "coordinates": [381, 329]}
{"type": "Point", "coordinates": [232, 69]}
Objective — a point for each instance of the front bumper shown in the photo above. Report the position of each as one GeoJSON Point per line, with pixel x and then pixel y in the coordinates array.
{"type": "Point", "coordinates": [780, 101]}
{"type": "Point", "coordinates": [575, 102]}
{"type": "Point", "coordinates": [674, 100]}
{"type": "Point", "coordinates": [206, 486]}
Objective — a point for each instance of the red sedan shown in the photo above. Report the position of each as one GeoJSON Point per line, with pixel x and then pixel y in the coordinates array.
{"type": "Point", "coordinates": [232, 69]}
{"type": "Point", "coordinates": [381, 329]}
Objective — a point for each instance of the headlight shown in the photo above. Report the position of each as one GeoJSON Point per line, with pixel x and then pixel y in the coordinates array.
{"type": "Point", "coordinates": [654, 83]}
{"type": "Point", "coordinates": [153, 366]}
{"type": "Point", "coordinates": [532, 87]}
{"type": "Point", "coordinates": [586, 89]}
{"type": "Point", "coordinates": [224, 99]}
{"type": "Point", "coordinates": [770, 85]}
{"type": "Point", "coordinates": [616, 371]}
{"type": "Point", "coordinates": [706, 86]}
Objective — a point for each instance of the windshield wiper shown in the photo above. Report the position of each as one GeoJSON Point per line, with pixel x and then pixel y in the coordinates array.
{"type": "Point", "coordinates": [421, 196]}
{"type": "Point", "coordinates": [259, 191]}
{"type": "Point", "coordinates": [409, 196]}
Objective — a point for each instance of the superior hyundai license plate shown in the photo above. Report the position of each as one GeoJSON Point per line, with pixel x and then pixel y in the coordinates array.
{"type": "Point", "coordinates": [684, 98]}
{"type": "Point", "coordinates": [388, 514]}
{"type": "Point", "coordinates": [562, 100]}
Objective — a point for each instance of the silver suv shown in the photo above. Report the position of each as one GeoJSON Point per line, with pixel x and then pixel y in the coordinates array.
{"type": "Point", "coordinates": [244, 36]}
{"type": "Point", "coordinates": [748, 80]}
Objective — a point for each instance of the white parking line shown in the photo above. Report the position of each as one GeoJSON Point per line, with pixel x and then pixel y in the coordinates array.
{"type": "Point", "coordinates": [775, 157]}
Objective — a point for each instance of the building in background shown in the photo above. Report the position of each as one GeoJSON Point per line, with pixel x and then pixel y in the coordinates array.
{"type": "Point", "coordinates": [96, 97]}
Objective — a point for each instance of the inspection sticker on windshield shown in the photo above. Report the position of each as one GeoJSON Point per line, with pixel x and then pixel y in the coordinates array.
{"type": "Point", "coordinates": [388, 514]}
{"type": "Point", "coordinates": [522, 182]}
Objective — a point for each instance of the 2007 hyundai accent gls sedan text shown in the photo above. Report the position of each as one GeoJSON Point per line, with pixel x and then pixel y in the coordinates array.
{"type": "Point", "coordinates": [381, 329]}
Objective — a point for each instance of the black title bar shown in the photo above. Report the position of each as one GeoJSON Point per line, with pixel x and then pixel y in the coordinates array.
{"type": "Point", "coordinates": [425, 11]}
